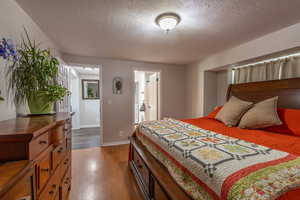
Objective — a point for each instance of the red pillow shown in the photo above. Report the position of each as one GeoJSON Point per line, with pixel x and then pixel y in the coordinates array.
{"type": "Point", "coordinates": [213, 114]}
{"type": "Point", "coordinates": [290, 122]}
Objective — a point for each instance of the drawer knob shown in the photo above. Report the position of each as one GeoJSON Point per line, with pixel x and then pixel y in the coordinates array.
{"type": "Point", "coordinates": [51, 192]}
{"type": "Point", "coordinates": [45, 169]}
{"type": "Point", "coordinates": [139, 166]}
{"type": "Point", "coordinates": [43, 142]}
{"type": "Point", "coordinates": [60, 150]}
{"type": "Point", "coordinates": [66, 162]}
{"type": "Point", "coordinates": [54, 186]}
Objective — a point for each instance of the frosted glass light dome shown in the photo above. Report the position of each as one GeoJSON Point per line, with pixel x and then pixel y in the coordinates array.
{"type": "Point", "coordinates": [167, 21]}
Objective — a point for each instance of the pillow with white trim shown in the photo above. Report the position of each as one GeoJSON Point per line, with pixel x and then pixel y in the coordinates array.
{"type": "Point", "coordinates": [232, 111]}
{"type": "Point", "coordinates": [261, 115]}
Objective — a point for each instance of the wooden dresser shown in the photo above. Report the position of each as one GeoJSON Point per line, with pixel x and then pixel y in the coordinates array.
{"type": "Point", "coordinates": [35, 157]}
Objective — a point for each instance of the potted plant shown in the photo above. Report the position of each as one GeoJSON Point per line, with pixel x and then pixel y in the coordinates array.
{"type": "Point", "coordinates": [32, 78]}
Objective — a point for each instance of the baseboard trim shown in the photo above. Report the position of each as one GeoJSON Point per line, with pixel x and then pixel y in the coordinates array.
{"type": "Point", "coordinates": [89, 126]}
{"type": "Point", "coordinates": [106, 144]}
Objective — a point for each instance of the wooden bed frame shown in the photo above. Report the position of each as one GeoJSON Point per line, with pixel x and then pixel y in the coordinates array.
{"type": "Point", "coordinates": [153, 178]}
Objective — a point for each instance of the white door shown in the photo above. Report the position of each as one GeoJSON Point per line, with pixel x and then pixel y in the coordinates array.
{"type": "Point", "coordinates": [136, 102]}
{"type": "Point", "coordinates": [75, 91]}
{"type": "Point", "coordinates": [151, 97]}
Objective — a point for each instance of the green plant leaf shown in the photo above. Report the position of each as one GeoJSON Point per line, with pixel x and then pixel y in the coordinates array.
{"type": "Point", "coordinates": [34, 73]}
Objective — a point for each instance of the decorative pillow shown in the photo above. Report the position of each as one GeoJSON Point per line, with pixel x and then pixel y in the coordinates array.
{"type": "Point", "coordinates": [232, 111]}
{"type": "Point", "coordinates": [261, 115]}
{"type": "Point", "coordinates": [213, 114]}
{"type": "Point", "coordinates": [290, 122]}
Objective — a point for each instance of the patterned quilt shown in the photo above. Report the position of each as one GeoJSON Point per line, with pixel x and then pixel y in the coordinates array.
{"type": "Point", "coordinates": [208, 165]}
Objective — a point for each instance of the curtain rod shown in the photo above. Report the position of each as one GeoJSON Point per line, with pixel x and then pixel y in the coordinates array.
{"type": "Point", "coordinates": [267, 60]}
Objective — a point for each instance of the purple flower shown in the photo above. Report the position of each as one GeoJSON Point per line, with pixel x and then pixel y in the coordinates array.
{"type": "Point", "coordinates": [8, 50]}
{"type": "Point", "coordinates": [2, 50]}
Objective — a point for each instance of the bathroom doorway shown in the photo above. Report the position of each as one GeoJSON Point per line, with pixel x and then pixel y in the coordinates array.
{"type": "Point", "coordinates": [147, 96]}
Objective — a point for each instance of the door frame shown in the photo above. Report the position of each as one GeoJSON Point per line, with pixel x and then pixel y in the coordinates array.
{"type": "Point", "coordinates": [72, 89]}
{"type": "Point", "coordinates": [160, 89]}
{"type": "Point", "coordinates": [99, 66]}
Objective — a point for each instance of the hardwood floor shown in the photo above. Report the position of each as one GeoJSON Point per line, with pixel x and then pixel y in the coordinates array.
{"type": "Point", "coordinates": [86, 138]}
{"type": "Point", "coordinates": [103, 174]}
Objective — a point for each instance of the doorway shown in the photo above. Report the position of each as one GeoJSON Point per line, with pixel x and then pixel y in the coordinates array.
{"type": "Point", "coordinates": [147, 96]}
{"type": "Point", "coordinates": [85, 102]}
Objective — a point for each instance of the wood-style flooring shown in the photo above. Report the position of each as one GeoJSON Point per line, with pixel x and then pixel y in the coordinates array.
{"type": "Point", "coordinates": [102, 173]}
{"type": "Point", "coordinates": [85, 138]}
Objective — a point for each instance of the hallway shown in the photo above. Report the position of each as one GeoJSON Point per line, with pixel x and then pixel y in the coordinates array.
{"type": "Point", "coordinates": [86, 138]}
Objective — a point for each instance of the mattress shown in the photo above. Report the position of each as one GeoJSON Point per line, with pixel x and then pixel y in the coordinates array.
{"type": "Point", "coordinates": [199, 185]}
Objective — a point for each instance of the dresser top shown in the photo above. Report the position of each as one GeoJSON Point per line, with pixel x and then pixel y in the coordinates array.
{"type": "Point", "coordinates": [26, 128]}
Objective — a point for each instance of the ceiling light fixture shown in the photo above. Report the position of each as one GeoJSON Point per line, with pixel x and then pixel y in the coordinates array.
{"type": "Point", "coordinates": [167, 21]}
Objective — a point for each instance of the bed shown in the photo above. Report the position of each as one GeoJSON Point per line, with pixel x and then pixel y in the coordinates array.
{"type": "Point", "coordinates": [156, 181]}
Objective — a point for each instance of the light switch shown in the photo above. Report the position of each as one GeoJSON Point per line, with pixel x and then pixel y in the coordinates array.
{"type": "Point", "coordinates": [109, 101]}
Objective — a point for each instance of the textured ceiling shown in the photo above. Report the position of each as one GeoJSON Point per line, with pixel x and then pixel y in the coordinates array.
{"type": "Point", "coordinates": [126, 29]}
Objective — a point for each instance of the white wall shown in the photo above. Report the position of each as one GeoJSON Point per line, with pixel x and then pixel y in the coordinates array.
{"type": "Point", "coordinates": [210, 97]}
{"type": "Point", "coordinates": [118, 110]}
{"type": "Point", "coordinates": [12, 21]}
{"type": "Point", "coordinates": [215, 92]}
{"type": "Point", "coordinates": [222, 86]}
{"type": "Point", "coordinates": [281, 40]}
{"type": "Point", "coordinates": [194, 88]}
{"type": "Point", "coordinates": [89, 108]}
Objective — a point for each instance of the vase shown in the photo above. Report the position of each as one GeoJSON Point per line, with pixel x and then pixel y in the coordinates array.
{"type": "Point", "coordinates": [39, 104]}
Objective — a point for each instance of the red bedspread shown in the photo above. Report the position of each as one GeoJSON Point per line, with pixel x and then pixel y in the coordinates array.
{"type": "Point", "coordinates": [287, 143]}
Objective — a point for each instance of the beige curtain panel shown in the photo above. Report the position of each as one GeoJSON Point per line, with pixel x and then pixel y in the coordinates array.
{"type": "Point", "coordinates": [291, 68]}
{"type": "Point", "coordinates": [274, 70]}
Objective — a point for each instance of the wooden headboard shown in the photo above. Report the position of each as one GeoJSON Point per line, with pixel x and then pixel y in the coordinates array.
{"type": "Point", "coordinates": [288, 91]}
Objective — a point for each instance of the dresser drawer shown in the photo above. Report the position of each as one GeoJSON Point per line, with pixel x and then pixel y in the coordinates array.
{"type": "Point", "coordinates": [68, 124]}
{"type": "Point", "coordinates": [141, 168]}
{"type": "Point", "coordinates": [68, 128]}
{"type": "Point", "coordinates": [68, 133]}
{"type": "Point", "coordinates": [43, 169]}
{"type": "Point", "coordinates": [58, 154]}
{"type": "Point", "coordinates": [58, 135]}
{"type": "Point", "coordinates": [66, 163]}
{"type": "Point", "coordinates": [52, 188]}
{"type": "Point", "coordinates": [38, 145]}
{"type": "Point", "coordinates": [69, 144]}
{"type": "Point", "coordinates": [66, 185]}
{"type": "Point", "coordinates": [57, 196]}
{"type": "Point", "coordinates": [23, 190]}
